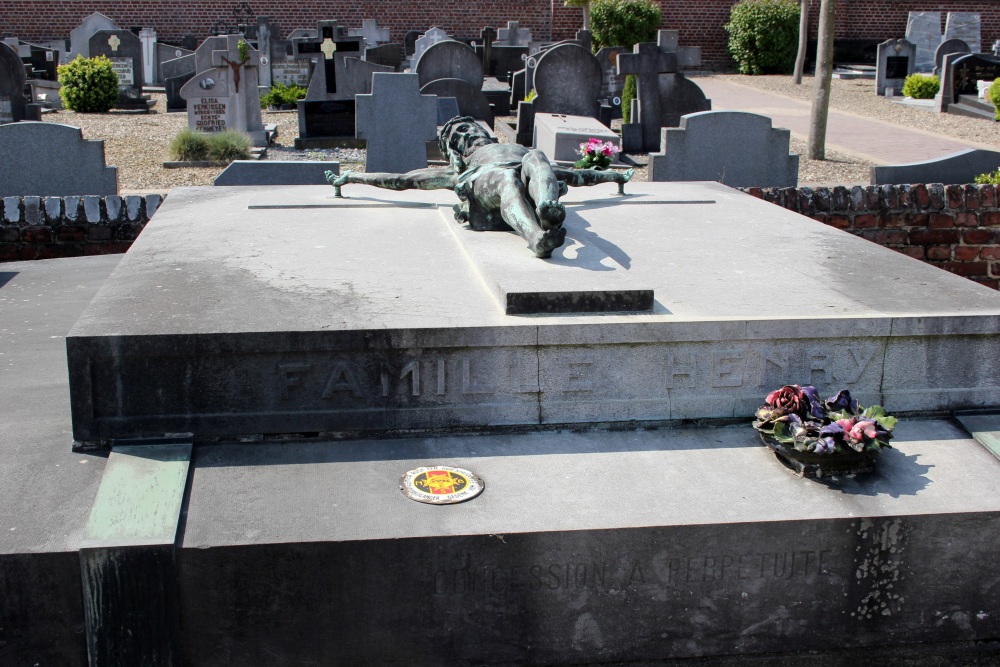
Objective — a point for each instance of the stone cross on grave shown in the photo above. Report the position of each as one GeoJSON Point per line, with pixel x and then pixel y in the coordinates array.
{"type": "Point", "coordinates": [114, 42]}
{"type": "Point", "coordinates": [488, 35]}
{"type": "Point", "coordinates": [232, 58]}
{"type": "Point", "coordinates": [647, 61]}
{"type": "Point", "coordinates": [397, 121]}
{"type": "Point", "coordinates": [329, 48]}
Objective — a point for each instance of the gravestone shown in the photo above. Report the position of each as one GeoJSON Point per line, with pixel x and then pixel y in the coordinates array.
{"type": "Point", "coordinates": [166, 53]}
{"type": "Point", "coordinates": [189, 41]}
{"type": "Point", "coordinates": [895, 62]}
{"type": "Point", "coordinates": [447, 108]}
{"type": "Point", "coordinates": [147, 37]}
{"type": "Point", "coordinates": [410, 42]}
{"type": "Point", "coordinates": [966, 70]}
{"type": "Point", "coordinates": [470, 99]}
{"type": "Point", "coordinates": [387, 55]}
{"type": "Point", "coordinates": [396, 121]}
{"type": "Point", "coordinates": [559, 135]}
{"type": "Point", "coordinates": [371, 33]}
{"type": "Point", "coordinates": [732, 147]}
{"type": "Point", "coordinates": [43, 61]}
{"type": "Point", "coordinates": [946, 94]}
{"type": "Point", "coordinates": [923, 30]}
{"type": "Point", "coordinates": [568, 81]}
{"type": "Point", "coordinates": [286, 69]}
{"type": "Point", "coordinates": [52, 160]}
{"type": "Point", "coordinates": [79, 37]}
{"type": "Point", "coordinates": [663, 93]}
{"type": "Point", "coordinates": [612, 84]}
{"type": "Point", "coordinates": [226, 96]}
{"type": "Point", "coordinates": [263, 46]}
{"type": "Point", "coordinates": [965, 26]}
{"type": "Point", "coordinates": [947, 47]}
{"type": "Point", "coordinates": [425, 41]}
{"type": "Point", "coordinates": [514, 35]}
{"type": "Point", "coordinates": [124, 50]}
{"type": "Point", "coordinates": [449, 60]}
{"type": "Point", "coordinates": [12, 81]}
{"type": "Point", "coordinates": [175, 74]}
{"type": "Point", "coordinates": [338, 75]}
{"type": "Point", "coordinates": [960, 167]}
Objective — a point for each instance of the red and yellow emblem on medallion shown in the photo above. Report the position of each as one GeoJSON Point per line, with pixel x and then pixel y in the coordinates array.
{"type": "Point", "coordinates": [441, 485]}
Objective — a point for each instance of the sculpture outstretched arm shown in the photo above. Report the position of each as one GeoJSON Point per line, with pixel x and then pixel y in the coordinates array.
{"type": "Point", "coordinates": [586, 177]}
{"type": "Point", "coordinates": [418, 179]}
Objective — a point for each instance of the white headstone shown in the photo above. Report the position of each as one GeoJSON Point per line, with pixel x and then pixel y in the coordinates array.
{"type": "Point", "coordinates": [148, 38]}
{"type": "Point", "coordinates": [79, 37]}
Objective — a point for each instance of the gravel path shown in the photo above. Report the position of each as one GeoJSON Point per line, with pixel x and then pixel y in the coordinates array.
{"type": "Point", "coordinates": [138, 144]}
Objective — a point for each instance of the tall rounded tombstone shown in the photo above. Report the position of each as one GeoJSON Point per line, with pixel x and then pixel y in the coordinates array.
{"type": "Point", "coordinates": [568, 81]}
{"type": "Point", "coordinates": [471, 101]}
{"type": "Point", "coordinates": [948, 46]}
{"type": "Point", "coordinates": [450, 59]}
{"type": "Point", "coordinates": [12, 99]}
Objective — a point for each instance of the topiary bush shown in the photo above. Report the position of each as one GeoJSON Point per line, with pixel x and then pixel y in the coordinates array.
{"type": "Point", "coordinates": [624, 22]}
{"type": "Point", "coordinates": [993, 95]}
{"type": "Point", "coordinates": [763, 35]}
{"type": "Point", "coordinates": [89, 85]}
{"type": "Point", "coordinates": [921, 86]}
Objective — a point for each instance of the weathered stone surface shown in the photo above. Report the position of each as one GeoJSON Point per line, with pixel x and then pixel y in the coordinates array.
{"type": "Point", "coordinates": [965, 26]}
{"type": "Point", "coordinates": [52, 159]}
{"type": "Point", "coordinates": [568, 81]}
{"type": "Point", "coordinates": [79, 37]}
{"type": "Point", "coordinates": [12, 99]}
{"type": "Point", "coordinates": [923, 30]}
{"type": "Point", "coordinates": [396, 121]}
{"type": "Point", "coordinates": [449, 59]}
{"type": "Point", "coordinates": [471, 101]}
{"type": "Point", "coordinates": [559, 136]}
{"type": "Point", "coordinates": [732, 147]}
{"type": "Point", "coordinates": [418, 330]}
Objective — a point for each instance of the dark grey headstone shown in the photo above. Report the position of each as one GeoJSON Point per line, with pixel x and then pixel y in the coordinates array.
{"type": "Point", "coordinates": [732, 147]}
{"type": "Point", "coordinates": [471, 101]}
{"type": "Point", "coordinates": [52, 160]}
{"type": "Point", "coordinates": [449, 60]}
{"type": "Point", "coordinates": [338, 71]}
{"type": "Point", "coordinates": [568, 81]}
{"type": "Point", "coordinates": [326, 119]}
{"type": "Point", "coordinates": [124, 49]}
{"type": "Point", "coordinates": [389, 55]}
{"type": "Point", "coordinates": [960, 167]}
{"type": "Point", "coordinates": [953, 45]}
{"type": "Point", "coordinates": [895, 61]}
{"type": "Point", "coordinates": [410, 41]}
{"type": "Point", "coordinates": [505, 60]}
{"type": "Point", "coordinates": [12, 99]}
{"type": "Point", "coordinates": [168, 52]}
{"type": "Point", "coordinates": [397, 122]}
{"type": "Point", "coordinates": [276, 172]}
{"type": "Point", "coordinates": [172, 87]}
{"type": "Point", "coordinates": [647, 61]}
{"type": "Point", "coordinates": [447, 108]}
{"type": "Point", "coordinates": [178, 66]}
{"type": "Point", "coordinates": [966, 70]}
{"type": "Point", "coordinates": [189, 41]}
{"type": "Point", "coordinates": [680, 96]}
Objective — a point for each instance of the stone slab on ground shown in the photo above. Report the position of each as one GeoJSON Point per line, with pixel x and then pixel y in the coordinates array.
{"type": "Point", "coordinates": [287, 304]}
{"type": "Point", "coordinates": [961, 167]}
{"type": "Point", "coordinates": [276, 172]}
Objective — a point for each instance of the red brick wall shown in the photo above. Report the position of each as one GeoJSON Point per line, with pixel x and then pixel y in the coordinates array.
{"type": "Point", "coordinates": [953, 227]}
{"type": "Point", "coordinates": [699, 21]}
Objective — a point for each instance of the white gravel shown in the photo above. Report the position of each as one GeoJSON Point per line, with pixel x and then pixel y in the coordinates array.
{"type": "Point", "coordinates": [138, 144]}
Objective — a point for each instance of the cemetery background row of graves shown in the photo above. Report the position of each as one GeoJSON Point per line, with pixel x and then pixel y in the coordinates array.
{"type": "Point", "coordinates": [363, 91]}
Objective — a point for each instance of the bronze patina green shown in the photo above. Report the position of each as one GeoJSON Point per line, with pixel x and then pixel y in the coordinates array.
{"type": "Point", "coordinates": [502, 186]}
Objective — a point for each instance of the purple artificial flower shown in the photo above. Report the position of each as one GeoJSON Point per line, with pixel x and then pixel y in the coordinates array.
{"type": "Point", "coordinates": [842, 401]}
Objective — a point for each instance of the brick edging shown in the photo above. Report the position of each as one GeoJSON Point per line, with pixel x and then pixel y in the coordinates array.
{"type": "Point", "coordinates": [952, 227]}
{"type": "Point", "coordinates": [49, 227]}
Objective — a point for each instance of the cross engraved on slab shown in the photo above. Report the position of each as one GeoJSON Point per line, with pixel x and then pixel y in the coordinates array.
{"type": "Point", "coordinates": [330, 47]}
{"type": "Point", "coordinates": [114, 42]}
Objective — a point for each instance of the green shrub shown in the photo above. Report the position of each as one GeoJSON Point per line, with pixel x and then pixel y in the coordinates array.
{"type": "Point", "coordinates": [628, 94]}
{"type": "Point", "coordinates": [282, 94]}
{"type": "Point", "coordinates": [992, 177]}
{"type": "Point", "coordinates": [228, 146]}
{"type": "Point", "coordinates": [89, 85]}
{"type": "Point", "coordinates": [624, 22]}
{"type": "Point", "coordinates": [189, 146]}
{"type": "Point", "coordinates": [921, 86]}
{"type": "Point", "coordinates": [763, 35]}
{"type": "Point", "coordinates": [993, 95]}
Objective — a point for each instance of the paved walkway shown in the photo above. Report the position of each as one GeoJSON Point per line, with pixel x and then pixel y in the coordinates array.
{"type": "Point", "coordinates": [873, 140]}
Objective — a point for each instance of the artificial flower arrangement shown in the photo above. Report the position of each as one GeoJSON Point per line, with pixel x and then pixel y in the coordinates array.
{"type": "Point", "coordinates": [596, 154]}
{"type": "Point", "coordinates": [798, 425]}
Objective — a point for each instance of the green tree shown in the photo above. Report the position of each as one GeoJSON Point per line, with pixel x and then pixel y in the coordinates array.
{"type": "Point", "coordinates": [624, 22]}
{"type": "Point", "coordinates": [763, 35]}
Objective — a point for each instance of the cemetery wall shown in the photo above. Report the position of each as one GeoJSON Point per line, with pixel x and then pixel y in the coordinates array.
{"type": "Point", "coordinates": [49, 227]}
{"type": "Point", "coordinates": [699, 21]}
{"type": "Point", "coordinates": [953, 227]}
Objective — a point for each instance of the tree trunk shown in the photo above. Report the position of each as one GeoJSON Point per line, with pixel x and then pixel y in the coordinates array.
{"type": "Point", "coordinates": [824, 75]}
{"type": "Point", "coordinates": [800, 59]}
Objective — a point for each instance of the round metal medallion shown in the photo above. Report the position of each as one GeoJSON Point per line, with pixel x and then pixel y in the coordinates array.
{"type": "Point", "coordinates": [441, 485]}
